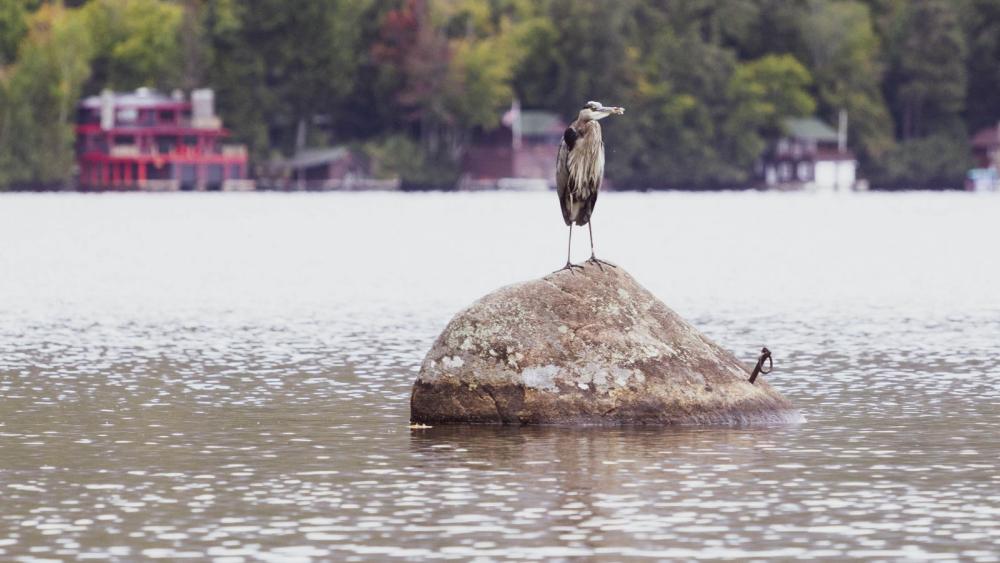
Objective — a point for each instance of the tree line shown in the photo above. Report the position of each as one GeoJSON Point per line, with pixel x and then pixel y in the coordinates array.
{"type": "Point", "coordinates": [707, 83]}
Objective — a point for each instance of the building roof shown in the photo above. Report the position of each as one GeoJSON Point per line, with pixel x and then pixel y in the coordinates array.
{"type": "Point", "coordinates": [142, 97]}
{"type": "Point", "coordinates": [538, 123]}
{"type": "Point", "coordinates": [809, 128]}
{"type": "Point", "coordinates": [315, 157]}
{"type": "Point", "coordinates": [987, 138]}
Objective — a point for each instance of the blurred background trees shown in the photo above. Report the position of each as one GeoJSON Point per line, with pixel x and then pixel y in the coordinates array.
{"type": "Point", "coordinates": [706, 83]}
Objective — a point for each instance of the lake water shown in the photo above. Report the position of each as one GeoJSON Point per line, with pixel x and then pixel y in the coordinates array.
{"type": "Point", "coordinates": [227, 376]}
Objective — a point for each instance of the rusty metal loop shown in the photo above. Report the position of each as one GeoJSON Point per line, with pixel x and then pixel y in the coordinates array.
{"type": "Point", "coordinates": [765, 354]}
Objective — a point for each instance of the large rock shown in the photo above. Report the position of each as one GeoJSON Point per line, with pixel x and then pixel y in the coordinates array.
{"type": "Point", "coordinates": [584, 347]}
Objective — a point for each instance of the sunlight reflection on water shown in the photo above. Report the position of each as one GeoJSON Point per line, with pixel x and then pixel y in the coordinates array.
{"type": "Point", "coordinates": [228, 377]}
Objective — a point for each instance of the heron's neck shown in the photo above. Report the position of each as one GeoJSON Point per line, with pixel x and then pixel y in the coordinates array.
{"type": "Point", "coordinates": [586, 128]}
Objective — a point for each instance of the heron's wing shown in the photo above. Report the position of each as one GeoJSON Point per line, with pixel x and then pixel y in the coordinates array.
{"type": "Point", "coordinates": [588, 207]}
{"type": "Point", "coordinates": [562, 170]}
{"type": "Point", "coordinates": [570, 136]}
{"type": "Point", "coordinates": [591, 149]}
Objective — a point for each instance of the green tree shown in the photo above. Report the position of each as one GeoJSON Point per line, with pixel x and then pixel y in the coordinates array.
{"type": "Point", "coordinates": [706, 83]}
{"type": "Point", "coordinates": [136, 43]}
{"type": "Point", "coordinates": [196, 53]}
{"type": "Point", "coordinates": [452, 66]}
{"type": "Point", "coordinates": [928, 79]}
{"type": "Point", "coordinates": [582, 54]}
{"type": "Point", "coordinates": [777, 29]}
{"type": "Point", "coordinates": [982, 99]}
{"type": "Point", "coordinates": [13, 27]}
{"type": "Point", "coordinates": [762, 93]}
{"type": "Point", "coordinates": [933, 162]}
{"type": "Point", "coordinates": [39, 94]}
{"type": "Point", "coordinates": [486, 47]}
{"type": "Point", "coordinates": [701, 116]}
{"type": "Point", "coordinates": [844, 54]}
{"type": "Point", "coordinates": [282, 67]}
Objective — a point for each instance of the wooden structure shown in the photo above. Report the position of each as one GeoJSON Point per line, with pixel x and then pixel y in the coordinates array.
{"type": "Point", "coordinates": [519, 155]}
{"type": "Point", "coordinates": [321, 169]}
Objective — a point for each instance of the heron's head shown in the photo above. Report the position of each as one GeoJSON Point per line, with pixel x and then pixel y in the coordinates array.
{"type": "Point", "coordinates": [592, 111]}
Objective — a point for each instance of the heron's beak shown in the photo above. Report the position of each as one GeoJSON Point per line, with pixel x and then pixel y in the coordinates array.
{"type": "Point", "coordinates": [608, 110]}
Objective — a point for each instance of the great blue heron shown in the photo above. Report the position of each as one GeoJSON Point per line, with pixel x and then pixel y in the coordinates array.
{"type": "Point", "coordinates": [580, 171]}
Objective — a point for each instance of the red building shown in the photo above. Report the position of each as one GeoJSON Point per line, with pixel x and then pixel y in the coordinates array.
{"type": "Point", "coordinates": [146, 140]}
{"type": "Point", "coordinates": [519, 155]}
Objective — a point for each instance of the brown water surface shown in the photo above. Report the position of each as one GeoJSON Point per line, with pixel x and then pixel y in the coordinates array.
{"type": "Point", "coordinates": [228, 378]}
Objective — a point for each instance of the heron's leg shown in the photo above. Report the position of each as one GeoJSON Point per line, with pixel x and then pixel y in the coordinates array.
{"type": "Point", "coordinates": [569, 244]}
{"type": "Point", "coordinates": [593, 257]}
{"type": "Point", "coordinates": [590, 229]}
{"type": "Point", "coordinates": [569, 247]}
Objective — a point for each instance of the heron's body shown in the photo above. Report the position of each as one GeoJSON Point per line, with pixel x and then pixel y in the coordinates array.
{"type": "Point", "coordinates": [580, 170]}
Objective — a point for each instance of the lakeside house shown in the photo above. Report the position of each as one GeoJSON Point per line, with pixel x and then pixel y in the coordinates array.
{"type": "Point", "coordinates": [809, 155]}
{"type": "Point", "coordinates": [986, 155]}
{"type": "Point", "coordinates": [986, 147]}
{"type": "Point", "coordinates": [520, 154]}
{"type": "Point", "coordinates": [145, 140]}
{"type": "Point", "coordinates": [321, 169]}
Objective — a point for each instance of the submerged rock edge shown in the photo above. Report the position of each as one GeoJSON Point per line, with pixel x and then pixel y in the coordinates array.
{"type": "Point", "coordinates": [499, 405]}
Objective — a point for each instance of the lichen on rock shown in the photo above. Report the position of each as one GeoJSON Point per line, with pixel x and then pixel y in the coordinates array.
{"type": "Point", "coordinates": [584, 347]}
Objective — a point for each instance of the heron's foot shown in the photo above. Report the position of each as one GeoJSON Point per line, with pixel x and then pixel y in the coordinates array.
{"type": "Point", "coordinates": [600, 263]}
{"type": "Point", "coordinates": [569, 266]}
